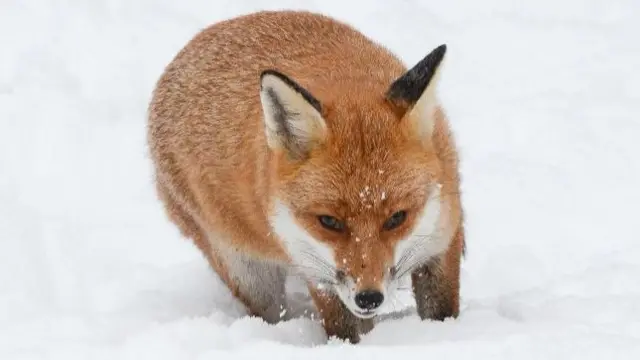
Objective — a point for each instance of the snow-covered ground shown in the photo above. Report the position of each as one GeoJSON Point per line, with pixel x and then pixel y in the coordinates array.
{"type": "Point", "coordinates": [544, 97]}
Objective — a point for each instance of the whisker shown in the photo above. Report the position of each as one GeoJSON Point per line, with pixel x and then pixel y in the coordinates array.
{"type": "Point", "coordinates": [409, 254]}
{"type": "Point", "coordinates": [403, 259]}
{"type": "Point", "coordinates": [310, 251]}
{"type": "Point", "coordinates": [405, 288]}
{"type": "Point", "coordinates": [317, 259]}
{"type": "Point", "coordinates": [309, 271]}
{"type": "Point", "coordinates": [418, 240]}
{"type": "Point", "coordinates": [322, 281]}
{"type": "Point", "coordinates": [407, 266]}
{"type": "Point", "coordinates": [320, 265]}
{"type": "Point", "coordinates": [316, 268]}
{"type": "Point", "coordinates": [415, 259]}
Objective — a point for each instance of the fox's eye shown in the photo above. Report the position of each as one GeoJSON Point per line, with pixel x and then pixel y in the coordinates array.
{"type": "Point", "coordinates": [395, 220]}
{"type": "Point", "coordinates": [331, 223]}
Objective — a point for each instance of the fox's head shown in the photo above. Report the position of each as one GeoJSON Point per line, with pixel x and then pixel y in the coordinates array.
{"type": "Point", "coordinates": [357, 181]}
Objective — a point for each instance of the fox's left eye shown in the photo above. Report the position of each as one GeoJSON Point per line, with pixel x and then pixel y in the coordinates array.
{"type": "Point", "coordinates": [331, 223]}
{"type": "Point", "coordinates": [395, 220]}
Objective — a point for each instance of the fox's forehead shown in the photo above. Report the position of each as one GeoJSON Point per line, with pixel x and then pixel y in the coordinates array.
{"type": "Point", "coordinates": [368, 163]}
{"type": "Point", "coordinates": [367, 188]}
{"type": "Point", "coordinates": [362, 122]}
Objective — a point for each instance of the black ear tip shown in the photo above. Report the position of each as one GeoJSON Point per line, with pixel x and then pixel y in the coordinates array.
{"type": "Point", "coordinates": [440, 50]}
{"type": "Point", "coordinates": [409, 87]}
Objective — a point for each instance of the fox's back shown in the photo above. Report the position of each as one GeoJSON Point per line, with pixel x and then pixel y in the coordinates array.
{"type": "Point", "coordinates": [206, 108]}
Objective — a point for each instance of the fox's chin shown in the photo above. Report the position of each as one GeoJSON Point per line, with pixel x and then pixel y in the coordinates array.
{"type": "Point", "coordinates": [359, 313]}
{"type": "Point", "coordinates": [364, 314]}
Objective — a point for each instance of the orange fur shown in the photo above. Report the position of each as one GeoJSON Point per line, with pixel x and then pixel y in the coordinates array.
{"type": "Point", "coordinates": [219, 179]}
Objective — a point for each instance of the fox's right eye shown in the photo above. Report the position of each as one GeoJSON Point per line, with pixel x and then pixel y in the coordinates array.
{"type": "Point", "coordinates": [331, 223]}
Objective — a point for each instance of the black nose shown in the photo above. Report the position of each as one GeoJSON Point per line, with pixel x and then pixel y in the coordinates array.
{"type": "Point", "coordinates": [369, 299]}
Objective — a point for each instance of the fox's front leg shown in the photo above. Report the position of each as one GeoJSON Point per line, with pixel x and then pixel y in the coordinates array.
{"type": "Point", "coordinates": [436, 285]}
{"type": "Point", "coordinates": [337, 319]}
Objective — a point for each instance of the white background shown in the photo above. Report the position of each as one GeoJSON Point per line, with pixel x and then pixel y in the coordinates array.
{"type": "Point", "coordinates": [544, 97]}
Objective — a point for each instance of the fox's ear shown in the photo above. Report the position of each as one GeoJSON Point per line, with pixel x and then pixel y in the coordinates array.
{"type": "Point", "coordinates": [292, 116]}
{"type": "Point", "coordinates": [413, 93]}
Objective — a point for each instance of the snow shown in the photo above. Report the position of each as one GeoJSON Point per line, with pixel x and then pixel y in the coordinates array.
{"type": "Point", "coordinates": [544, 98]}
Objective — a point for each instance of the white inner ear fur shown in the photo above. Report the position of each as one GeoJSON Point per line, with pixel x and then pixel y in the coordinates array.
{"type": "Point", "coordinates": [303, 122]}
{"type": "Point", "coordinates": [422, 115]}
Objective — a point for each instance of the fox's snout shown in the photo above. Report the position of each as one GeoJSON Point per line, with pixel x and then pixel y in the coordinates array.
{"type": "Point", "coordinates": [363, 301]}
{"type": "Point", "coordinates": [364, 285]}
{"type": "Point", "coordinates": [366, 298]}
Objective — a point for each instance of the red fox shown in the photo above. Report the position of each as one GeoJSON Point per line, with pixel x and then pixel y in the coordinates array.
{"type": "Point", "coordinates": [287, 142]}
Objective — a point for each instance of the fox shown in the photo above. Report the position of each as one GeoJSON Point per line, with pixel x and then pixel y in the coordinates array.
{"type": "Point", "coordinates": [288, 143]}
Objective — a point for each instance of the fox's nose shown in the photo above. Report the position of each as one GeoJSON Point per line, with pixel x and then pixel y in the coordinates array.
{"type": "Point", "coordinates": [369, 299]}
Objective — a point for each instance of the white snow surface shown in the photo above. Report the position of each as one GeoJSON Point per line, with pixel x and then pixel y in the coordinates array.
{"type": "Point", "coordinates": [544, 98]}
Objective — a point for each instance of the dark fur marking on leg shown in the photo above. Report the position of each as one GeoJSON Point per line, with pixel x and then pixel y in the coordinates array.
{"type": "Point", "coordinates": [433, 292]}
